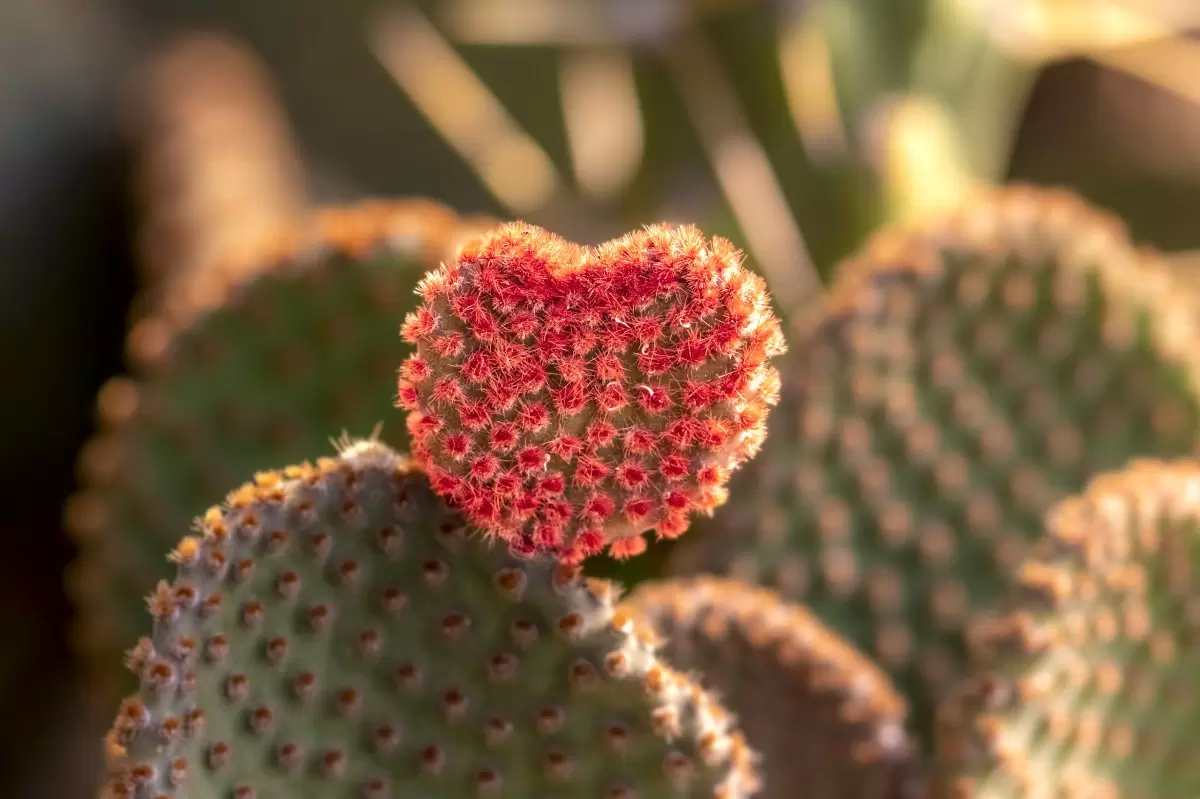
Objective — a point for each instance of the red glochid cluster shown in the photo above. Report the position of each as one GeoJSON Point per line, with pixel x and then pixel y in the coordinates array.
{"type": "Point", "coordinates": [569, 399]}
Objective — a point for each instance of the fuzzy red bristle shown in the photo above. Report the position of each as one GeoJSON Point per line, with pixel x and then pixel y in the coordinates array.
{"type": "Point", "coordinates": [570, 399]}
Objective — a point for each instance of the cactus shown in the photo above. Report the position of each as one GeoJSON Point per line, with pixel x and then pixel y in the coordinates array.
{"type": "Point", "coordinates": [571, 399]}
{"type": "Point", "coordinates": [220, 176]}
{"type": "Point", "coordinates": [242, 367]}
{"type": "Point", "coordinates": [337, 631]}
{"type": "Point", "coordinates": [826, 720]}
{"type": "Point", "coordinates": [1088, 688]}
{"type": "Point", "coordinates": [963, 376]}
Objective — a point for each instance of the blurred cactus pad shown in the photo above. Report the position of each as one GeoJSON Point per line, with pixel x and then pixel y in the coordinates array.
{"type": "Point", "coordinates": [963, 375]}
{"type": "Point", "coordinates": [1088, 683]}
{"type": "Point", "coordinates": [259, 360]}
{"type": "Point", "coordinates": [336, 631]}
{"type": "Point", "coordinates": [827, 722]}
{"type": "Point", "coordinates": [219, 172]}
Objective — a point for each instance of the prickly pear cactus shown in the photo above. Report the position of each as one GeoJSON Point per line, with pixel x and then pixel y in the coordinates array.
{"type": "Point", "coordinates": [219, 173]}
{"type": "Point", "coordinates": [963, 376]}
{"type": "Point", "coordinates": [827, 721]}
{"type": "Point", "coordinates": [1089, 684]}
{"type": "Point", "coordinates": [335, 631]}
{"type": "Point", "coordinates": [257, 363]}
{"type": "Point", "coordinates": [570, 399]}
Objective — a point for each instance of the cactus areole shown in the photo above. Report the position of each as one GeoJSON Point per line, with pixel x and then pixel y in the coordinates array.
{"type": "Point", "coordinates": [569, 399]}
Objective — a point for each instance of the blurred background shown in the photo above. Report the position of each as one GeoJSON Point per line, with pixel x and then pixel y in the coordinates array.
{"type": "Point", "coordinates": [140, 140]}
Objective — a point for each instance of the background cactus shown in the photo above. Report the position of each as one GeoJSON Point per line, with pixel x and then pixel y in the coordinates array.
{"type": "Point", "coordinates": [219, 175]}
{"type": "Point", "coordinates": [963, 376]}
{"type": "Point", "coordinates": [1088, 683]}
{"type": "Point", "coordinates": [826, 721]}
{"type": "Point", "coordinates": [336, 631]}
{"type": "Point", "coordinates": [571, 399]}
{"type": "Point", "coordinates": [241, 367]}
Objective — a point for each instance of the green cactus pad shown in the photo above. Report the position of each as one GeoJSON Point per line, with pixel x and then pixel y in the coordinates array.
{"type": "Point", "coordinates": [826, 720]}
{"type": "Point", "coordinates": [257, 363]}
{"type": "Point", "coordinates": [218, 171]}
{"type": "Point", "coordinates": [1089, 684]}
{"type": "Point", "coordinates": [336, 632]}
{"type": "Point", "coordinates": [963, 377]}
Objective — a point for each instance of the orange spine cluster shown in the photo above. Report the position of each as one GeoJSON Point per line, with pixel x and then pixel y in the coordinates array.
{"type": "Point", "coordinates": [569, 399]}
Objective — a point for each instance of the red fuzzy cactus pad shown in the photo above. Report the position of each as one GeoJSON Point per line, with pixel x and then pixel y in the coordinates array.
{"type": "Point", "coordinates": [569, 399]}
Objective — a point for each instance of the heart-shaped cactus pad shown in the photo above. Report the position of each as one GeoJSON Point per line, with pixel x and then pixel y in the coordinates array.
{"type": "Point", "coordinates": [569, 399]}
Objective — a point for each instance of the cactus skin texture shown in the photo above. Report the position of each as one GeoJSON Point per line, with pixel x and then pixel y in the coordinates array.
{"type": "Point", "coordinates": [570, 399]}
{"type": "Point", "coordinates": [964, 376]}
{"type": "Point", "coordinates": [1089, 689]}
{"type": "Point", "coordinates": [338, 632]}
{"type": "Point", "coordinates": [254, 363]}
{"type": "Point", "coordinates": [827, 722]}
